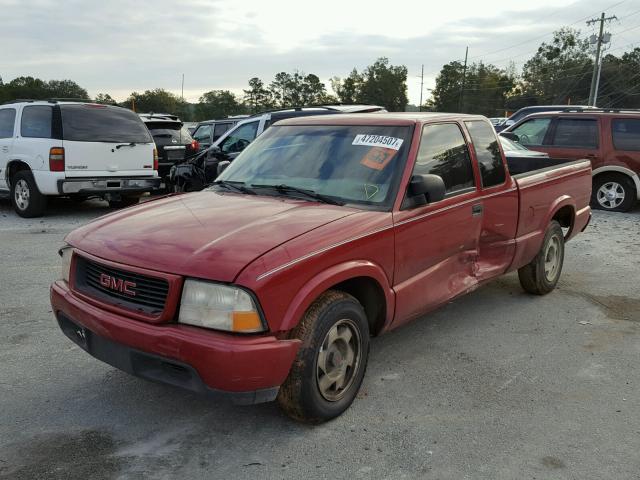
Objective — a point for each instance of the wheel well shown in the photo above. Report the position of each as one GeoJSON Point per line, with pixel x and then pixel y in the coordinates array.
{"type": "Point", "coordinates": [608, 173]}
{"type": "Point", "coordinates": [565, 216]}
{"type": "Point", "coordinates": [370, 294]}
{"type": "Point", "coordinates": [14, 167]}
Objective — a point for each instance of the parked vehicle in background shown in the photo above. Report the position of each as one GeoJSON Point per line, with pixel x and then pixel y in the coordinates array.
{"type": "Point", "coordinates": [523, 112]}
{"type": "Point", "coordinates": [203, 169]}
{"type": "Point", "coordinates": [326, 231]}
{"type": "Point", "coordinates": [191, 127]}
{"type": "Point", "coordinates": [610, 139]}
{"type": "Point", "coordinates": [207, 132]}
{"type": "Point", "coordinates": [495, 121]}
{"type": "Point", "coordinates": [74, 149]}
{"type": "Point", "coordinates": [173, 141]}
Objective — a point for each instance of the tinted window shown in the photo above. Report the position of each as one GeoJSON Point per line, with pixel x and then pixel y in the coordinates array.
{"type": "Point", "coordinates": [220, 128]}
{"type": "Point", "coordinates": [36, 121]}
{"type": "Point", "coordinates": [99, 123]}
{"type": "Point", "coordinates": [443, 152]}
{"type": "Point", "coordinates": [203, 133]}
{"type": "Point", "coordinates": [169, 133]}
{"type": "Point", "coordinates": [532, 132]}
{"type": "Point", "coordinates": [626, 134]}
{"type": "Point", "coordinates": [7, 119]}
{"type": "Point", "coordinates": [356, 164]}
{"type": "Point", "coordinates": [240, 138]}
{"type": "Point", "coordinates": [576, 132]}
{"type": "Point", "coordinates": [488, 153]}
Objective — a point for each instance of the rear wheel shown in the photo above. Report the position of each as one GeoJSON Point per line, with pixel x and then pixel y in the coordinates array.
{"type": "Point", "coordinates": [614, 192]}
{"type": "Point", "coordinates": [27, 200]}
{"type": "Point", "coordinates": [328, 371]}
{"type": "Point", "coordinates": [542, 274]}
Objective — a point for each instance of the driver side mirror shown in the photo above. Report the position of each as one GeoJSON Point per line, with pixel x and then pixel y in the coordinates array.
{"type": "Point", "coordinates": [425, 189]}
{"type": "Point", "coordinates": [510, 136]}
{"type": "Point", "coordinates": [222, 166]}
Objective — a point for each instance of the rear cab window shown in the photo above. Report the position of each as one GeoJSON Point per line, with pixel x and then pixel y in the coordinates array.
{"type": "Point", "coordinates": [99, 123]}
{"type": "Point", "coordinates": [485, 145]}
{"type": "Point", "coordinates": [626, 134]}
{"type": "Point", "coordinates": [444, 152]}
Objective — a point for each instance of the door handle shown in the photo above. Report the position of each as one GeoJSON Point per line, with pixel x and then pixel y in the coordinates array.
{"type": "Point", "coordinates": [476, 210]}
{"type": "Point", "coordinates": [5, 149]}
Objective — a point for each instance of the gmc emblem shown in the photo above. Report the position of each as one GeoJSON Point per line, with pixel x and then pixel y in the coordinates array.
{"type": "Point", "coordinates": [117, 284]}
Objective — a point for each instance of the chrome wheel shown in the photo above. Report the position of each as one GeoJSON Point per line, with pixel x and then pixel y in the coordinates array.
{"type": "Point", "coordinates": [552, 259]}
{"type": "Point", "coordinates": [610, 195]}
{"type": "Point", "coordinates": [21, 194]}
{"type": "Point", "coordinates": [338, 360]}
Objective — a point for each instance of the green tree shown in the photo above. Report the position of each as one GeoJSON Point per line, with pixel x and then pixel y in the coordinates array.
{"type": "Point", "coordinates": [257, 97]}
{"type": "Point", "coordinates": [218, 104]}
{"type": "Point", "coordinates": [348, 90]}
{"type": "Point", "coordinates": [384, 84]}
{"type": "Point", "coordinates": [620, 81]}
{"type": "Point", "coordinates": [153, 101]}
{"type": "Point", "coordinates": [104, 98]}
{"type": "Point", "coordinates": [66, 89]}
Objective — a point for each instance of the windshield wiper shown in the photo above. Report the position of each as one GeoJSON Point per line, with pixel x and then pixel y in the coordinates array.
{"type": "Point", "coordinates": [237, 186]}
{"type": "Point", "coordinates": [131, 144]}
{"type": "Point", "coordinates": [288, 189]}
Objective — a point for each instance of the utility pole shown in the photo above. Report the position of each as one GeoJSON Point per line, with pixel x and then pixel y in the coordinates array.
{"type": "Point", "coordinates": [464, 77]}
{"type": "Point", "coordinates": [421, 85]}
{"type": "Point", "coordinates": [597, 66]}
{"type": "Point", "coordinates": [182, 90]}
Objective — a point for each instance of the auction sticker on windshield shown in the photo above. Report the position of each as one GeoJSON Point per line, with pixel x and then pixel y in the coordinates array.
{"type": "Point", "coordinates": [378, 141]}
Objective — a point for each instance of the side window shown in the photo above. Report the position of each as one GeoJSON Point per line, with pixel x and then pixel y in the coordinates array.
{"type": "Point", "coordinates": [488, 153]}
{"type": "Point", "coordinates": [7, 119]}
{"type": "Point", "coordinates": [533, 131]}
{"type": "Point", "coordinates": [202, 134]}
{"type": "Point", "coordinates": [576, 132]}
{"type": "Point", "coordinates": [219, 129]}
{"type": "Point", "coordinates": [444, 152]}
{"type": "Point", "coordinates": [626, 134]}
{"type": "Point", "coordinates": [238, 140]}
{"type": "Point", "coordinates": [36, 121]}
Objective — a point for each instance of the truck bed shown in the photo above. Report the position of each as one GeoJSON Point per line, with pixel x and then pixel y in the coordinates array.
{"type": "Point", "coordinates": [522, 166]}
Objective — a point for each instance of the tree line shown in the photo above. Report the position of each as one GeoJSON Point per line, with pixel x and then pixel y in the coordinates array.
{"type": "Point", "coordinates": [558, 73]}
{"type": "Point", "coordinates": [380, 83]}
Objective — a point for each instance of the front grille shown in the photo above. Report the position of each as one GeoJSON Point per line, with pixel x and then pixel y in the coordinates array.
{"type": "Point", "coordinates": [150, 293]}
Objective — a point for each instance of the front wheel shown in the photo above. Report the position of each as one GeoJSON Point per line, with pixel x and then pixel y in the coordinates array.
{"type": "Point", "coordinates": [330, 365]}
{"type": "Point", "coordinates": [542, 274]}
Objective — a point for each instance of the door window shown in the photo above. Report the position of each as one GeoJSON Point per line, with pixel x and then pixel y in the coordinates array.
{"type": "Point", "coordinates": [36, 121]}
{"type": "Point", "coordinates": [488, 153]}
{"type": "Point", "coordinates": [626, 134]}
{"type": "Point", "coordinates": [240, 138]}
{"type": "Point", "coordinates": [203, 134]}
{"type": "Point", "coordinates": [532, 132]}
{"type": "Point", "coordinates": [7, 119]}
{"type": "Point", "coordinates": [576, 133]}
{"type": "Point", "coordinates": [444, 152]}
{"type": "Point", "coordinates": [219, 129]}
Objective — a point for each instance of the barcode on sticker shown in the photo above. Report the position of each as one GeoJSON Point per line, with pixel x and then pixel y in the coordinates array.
{"type": "Point", "coordinates": [378, 141]}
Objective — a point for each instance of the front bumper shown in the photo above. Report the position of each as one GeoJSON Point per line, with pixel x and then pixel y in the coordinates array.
{"type": "Point", "coordinates": [243, 369]}
{"type": "Point", "coordinates": [102, 185]}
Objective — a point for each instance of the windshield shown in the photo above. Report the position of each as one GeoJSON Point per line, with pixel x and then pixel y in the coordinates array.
{"type": "Point", "coordinates": [100, 123]}
{"type": "Point", "coordinates": [352, 164]}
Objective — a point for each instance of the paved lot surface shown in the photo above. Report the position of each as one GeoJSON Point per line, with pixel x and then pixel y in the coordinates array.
{"type": "Point", "coordinates": [496, 385]}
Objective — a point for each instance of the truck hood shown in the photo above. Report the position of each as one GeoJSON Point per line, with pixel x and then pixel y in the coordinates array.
{"type": "Point", "coordinates": [207, 234]}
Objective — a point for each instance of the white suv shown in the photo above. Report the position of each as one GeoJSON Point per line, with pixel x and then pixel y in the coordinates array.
{"type": "Point", "coordinates": [75, 149]}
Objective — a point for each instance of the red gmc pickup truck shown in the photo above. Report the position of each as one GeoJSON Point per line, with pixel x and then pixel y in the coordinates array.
{"type": "Point", "coordinates": [323, 232]}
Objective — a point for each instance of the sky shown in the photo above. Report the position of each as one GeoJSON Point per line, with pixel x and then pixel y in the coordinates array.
{"type": "Point", "coordinates": [120, 46]}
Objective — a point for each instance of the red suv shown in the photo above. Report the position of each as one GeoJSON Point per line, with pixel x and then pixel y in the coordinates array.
{"type": "Point", "coordinates": [609, 138]}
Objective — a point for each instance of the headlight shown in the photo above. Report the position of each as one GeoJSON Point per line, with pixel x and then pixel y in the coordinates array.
{"type": "Point", "coordinates": [65, 255]}
{"type": "Point", "coordinates": [221, 307]}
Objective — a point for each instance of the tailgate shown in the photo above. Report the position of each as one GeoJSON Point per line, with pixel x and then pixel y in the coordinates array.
{"type": "Point", "coordinates": [540, 190]}
{"type": "Point", "coordinates": [90, 159]}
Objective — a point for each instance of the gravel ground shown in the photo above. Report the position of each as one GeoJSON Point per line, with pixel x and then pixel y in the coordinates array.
{"type": "Point", "coordinates": [496, 385]}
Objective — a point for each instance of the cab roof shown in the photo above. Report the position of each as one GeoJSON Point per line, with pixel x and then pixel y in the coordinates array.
{"type": "Point", "coordinates": [399, 118]}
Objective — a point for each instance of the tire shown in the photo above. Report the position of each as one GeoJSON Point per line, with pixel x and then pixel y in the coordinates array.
{"type": "Point", "coordinates": [613, 192]}
{"type": "Point", "coordinates": [542, 274]}
{"type": "Point", "coordinates": [321, 385]}
{"type": "Point", "coordinates": [124, 202]}
{"type": "Point", "coordinates": [27, 200]}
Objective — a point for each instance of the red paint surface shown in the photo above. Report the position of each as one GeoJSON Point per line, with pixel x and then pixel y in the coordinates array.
{"type": "Point", "coordinates": [288, 252]}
